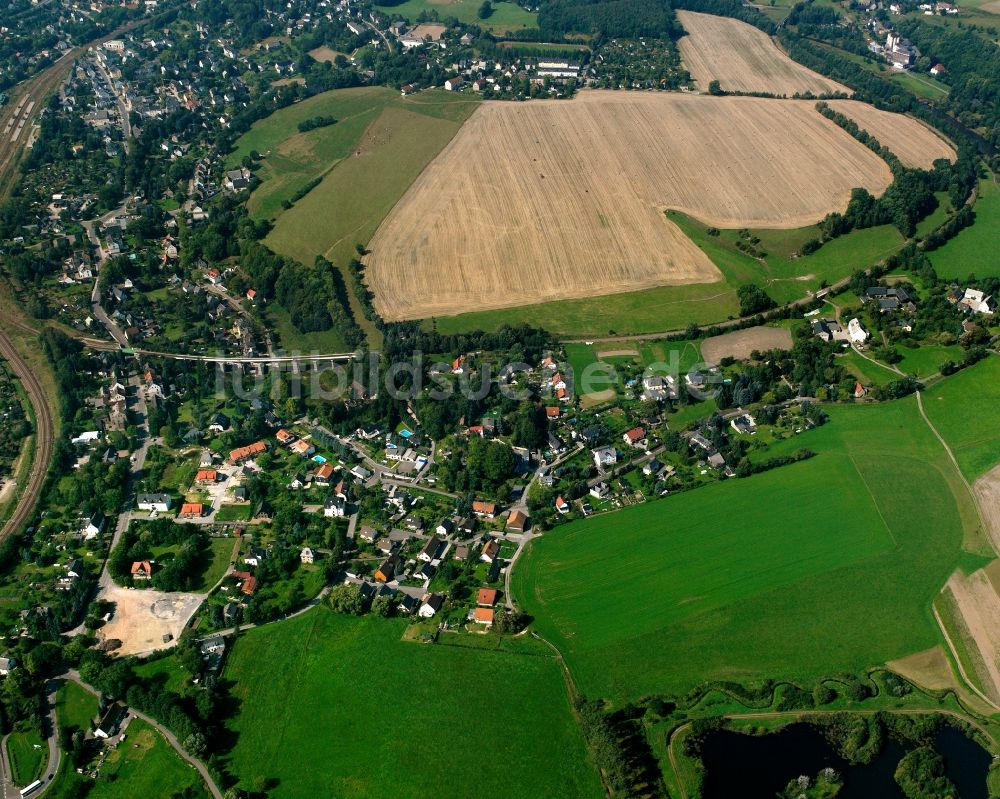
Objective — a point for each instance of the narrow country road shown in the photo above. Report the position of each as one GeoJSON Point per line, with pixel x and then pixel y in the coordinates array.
{"type": "Point", "coordinates": [74, 676]}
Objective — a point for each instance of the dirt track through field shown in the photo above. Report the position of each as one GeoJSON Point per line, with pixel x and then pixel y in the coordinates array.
{"type": "Point", "coordinates": [979, 606]}
{"type": "Point", "coordinates": [548, 200]}
{"type": "Point", "coordinates": [744, 59]}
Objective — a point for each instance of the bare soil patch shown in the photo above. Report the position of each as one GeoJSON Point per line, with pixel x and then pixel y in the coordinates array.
{"type": "Point", "coordinates": [929, 669]}
{"type": "Point", "coordinates": [987, 493]}
{"type": "Point", "coordinates": [744, 59]}
{"type": "Point", "coordinates": [979, 607]}
{"type": "Point", "coordinates": [898, 133]}
{"type": "Point", "coordinates": [435, 32]}
{"type": "Point", "coordinates": [617, 353]}
{"type": "Point", "coordinates": [143, 617]}
{"type": "Point", "coordinates": [741, 343]}
{"type": "Point", "coordinates": [324, 53]}
{"type": "Point", "coordinates": [549, 200]}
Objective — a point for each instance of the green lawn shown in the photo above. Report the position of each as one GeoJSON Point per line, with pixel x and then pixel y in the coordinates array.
{"type": "Point", "coordinates": [28, 753]}
{"type": "Point", "coordinates": [339, 706]}
{"type": "Point", "coordinates": [221, 550]}
{"type": "Point", "coordinates": [75, 707]}
{"type": "Point", "coordinates": [165, 671]}
{"type": "Point", "coordinates": [964, 410]}
{"type": "Point", "coordinates": [674, 307]}
{"type": "Point", "coordinates": [789, 574]}
{"type": "Point", "coordinates": [506, 16]}
{"type": "Point", "coordinates": [974, 250]}
{"type": "Point", "coordinates": [870, 374]}
{"type": "Point", "coordinates": [926, 360]}
{"type": "Point", "coordinates": [147, 766]}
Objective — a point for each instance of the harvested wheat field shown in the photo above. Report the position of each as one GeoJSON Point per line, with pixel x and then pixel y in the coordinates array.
{"type": "Point", "coordinates": [744, 59]}
{"type": "Point", "coordinates": [987, 493]}
{"type": "Point", "coordinates": [901, 134]}
{"type": "Point", "coordinates": [557, 199]}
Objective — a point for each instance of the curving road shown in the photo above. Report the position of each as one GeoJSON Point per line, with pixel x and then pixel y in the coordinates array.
{"type": "Point", "coordinates": [44, 437]}
{"type": "Point", "coordinates": [191, 760]}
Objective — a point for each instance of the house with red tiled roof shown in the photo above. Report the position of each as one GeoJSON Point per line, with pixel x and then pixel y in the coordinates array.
{"type": "Point", "coordinates": [192, 510]}
{"type": "Point", "coordinates": [243, 454]}
{"type": "Point", "coordinates": [142, 570]}
{"type": "Point", "coordinates": [483, 616]}
{"type": "Point", "coordinates": [487, 597]}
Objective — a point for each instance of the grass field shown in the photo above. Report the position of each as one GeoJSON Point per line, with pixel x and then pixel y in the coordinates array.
{"type": "Point", "coordinates": [340, 706]}
{"type": "Point", "coordinates": [926, 360]}
{"type": "Point", "coordinates": [974, 250]}
{"type": "Point", "coordinates": [146, 766]}
{"type": "Point", "coordinates": [28, 753]}
{"type": "Point", "coordinates": [788, 574]}
{"type": "Point", "coordinates": [964, 410]}
{"type": "Point", "coordinates": [221, 551]}
{"type": "Point", "coordinates": [506, 16]}
{"type": "Point", "coordinates": [75, 707]}
{"type": "Point", "coordinates": [402, 137]}
{"type": "Point", "coordinates": [674, 307]}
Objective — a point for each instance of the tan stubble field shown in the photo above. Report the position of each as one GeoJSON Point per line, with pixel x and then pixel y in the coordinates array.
{"type": "Point", "coordinates": [559, 199]}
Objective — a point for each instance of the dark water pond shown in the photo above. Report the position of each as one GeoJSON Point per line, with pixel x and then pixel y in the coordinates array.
{"type": "Point", "coordinates": [760, 767]}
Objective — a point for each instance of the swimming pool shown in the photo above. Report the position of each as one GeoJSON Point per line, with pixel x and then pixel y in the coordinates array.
{"type": "Point", "coordinates": [405, 433]}
{"type": "Point", "coordinates": [319, 459]}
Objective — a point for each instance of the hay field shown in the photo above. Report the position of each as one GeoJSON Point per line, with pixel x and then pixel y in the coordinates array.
{"type": "Point", "coordinates": [913, 142]}
{"type": "Point", "coordinates": [548, 200]}
{"type": "Point", "coordinates": [743, 59]}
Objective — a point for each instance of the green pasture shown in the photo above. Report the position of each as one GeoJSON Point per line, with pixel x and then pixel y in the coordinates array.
{"type": "Point", "coordinates": [146, 765]}
{"type": "Point", "coordinates": [411, 719]}
{"type": "Point", "coordinates": [974, 250]}
{"type": "Point", "coordinates": [788, 574]}
{"type": "Point", "coordinates": [75, 706]}
{"type": "Point", "coordinates": [506, 16]}
{"type": "Point", "coordinates": [965, 409]}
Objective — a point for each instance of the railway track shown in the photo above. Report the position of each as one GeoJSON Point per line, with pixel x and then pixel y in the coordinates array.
{"type": "Point", "coordinates": [44, 437]}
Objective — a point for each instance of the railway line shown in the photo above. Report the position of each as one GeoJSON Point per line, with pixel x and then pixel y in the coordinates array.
{"type": "Point", "coordinates": [44, 437]}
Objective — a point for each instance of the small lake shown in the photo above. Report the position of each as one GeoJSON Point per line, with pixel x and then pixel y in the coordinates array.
{"type": "Point", "coordinates": [759, 767]}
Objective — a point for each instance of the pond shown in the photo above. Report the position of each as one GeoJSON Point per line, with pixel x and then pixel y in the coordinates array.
{"type": "Point", "coordinates": [760, 767]}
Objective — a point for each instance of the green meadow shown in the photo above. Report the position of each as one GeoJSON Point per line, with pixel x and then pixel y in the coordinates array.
{"type": "Point", "coordinates": [380, 160]}
{"type": "Point", "coordinates": [964, 409]}
{"type": "Point", "coordinates": [974, 250]}
{"type": "Point", "coordinates": [147, 766]}
{"type": "Point", "coordinates": [784, 277]}
{"type": "Point", "coordinates": [339, 706]}
{"type": "Point", "coordinates": [506, 16]}
{"type": "Point", "coordinates": [75, 706]}
{"type": "Point", "coordinates": [823, 566]}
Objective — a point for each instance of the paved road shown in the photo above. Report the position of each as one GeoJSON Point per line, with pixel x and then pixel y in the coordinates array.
{"type": "Point", "coordinates": [74, 675]}
{"type": "Point", "coordinates": [44, 437]}
{"type": "Point", "coordinates": [122, 110]}
{"type": "Point", "coordinates": [7, 785]}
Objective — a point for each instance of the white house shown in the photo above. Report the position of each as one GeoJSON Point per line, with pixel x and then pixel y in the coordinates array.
{"type": "Point", "coordinates": [94, 526]}
{"type": "Point", "coordinates": [154, 502]}
{"type": "Point", "coordinates": [605, 456]}
{"type": "Point", "coordinates": [978, 302]}
{"type": "Point", "coordinates": [334, 508]}
{"type": "Point", "coordinates": [856, 332]}
{"type": "Point", "coordinates": [429, 605]}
